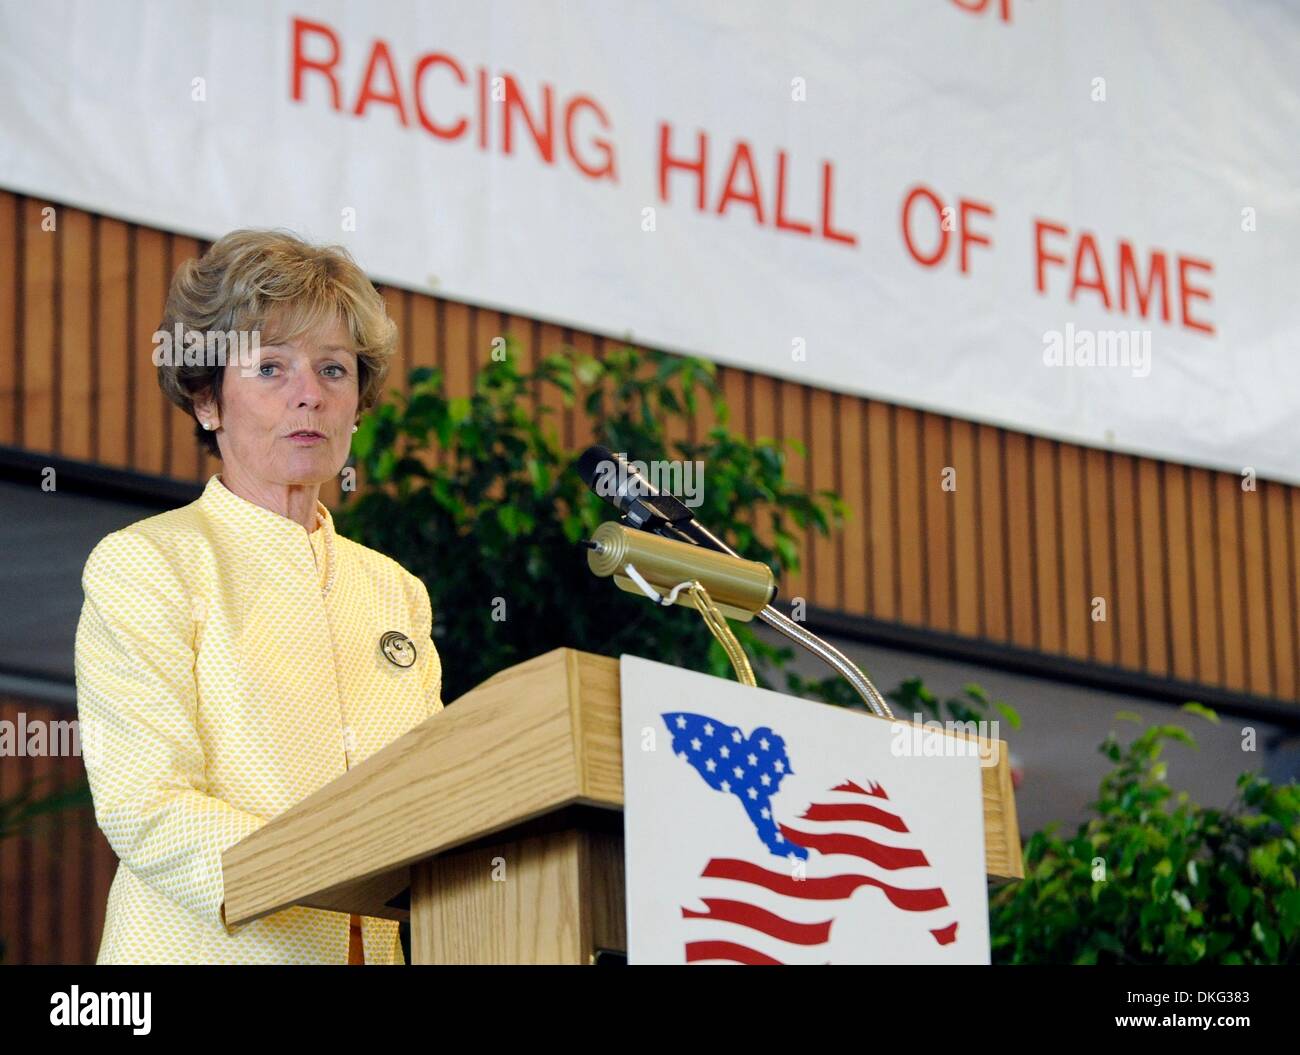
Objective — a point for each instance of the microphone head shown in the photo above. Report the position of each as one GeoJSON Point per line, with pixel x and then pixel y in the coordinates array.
{"type": "Point", "coordinates": [644, 506]}
{"type": "Point", "coordinates": [613, 477]}
{"type": "Point", "coordinates": [589, 463]}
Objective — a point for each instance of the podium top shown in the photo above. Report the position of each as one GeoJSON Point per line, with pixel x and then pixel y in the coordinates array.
{"type": "Point", "coordinates": [536, 738]}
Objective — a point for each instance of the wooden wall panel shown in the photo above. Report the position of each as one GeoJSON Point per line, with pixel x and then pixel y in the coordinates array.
{"type": "Point", "coordinates": [1232, 623]}
{"type": "Point", "coordinates": [1155, 605]}
{"type": "Point", "coordinates": [398, 304]}
{"type": "Point", "coordinates": [1050, 600]}
{"type": "Point", "coordinates": [1126, 609]}
{"type": "Point", "coordinates": [1255, 593]}
{"type": "Point", "coordinates": [825, 567]}
{"type": "Point", "coordinates": [909, 503]}
{"type": "Point", "coordinates": [1076, 591]}
{"type": "Point", "coordinates": [183, 457]}
{"type": "Point", "coordinates": [1179, 579]}
{"type": "Point", "coordinates": [882, 513]}
{"type": "Point", "coordinates": [965, 523]}
{"type": "Point", "coordinates": [1017, 480]}
{"type": "Point", "coordinates": [936, 523]}
{"type": "Point", "coordinates": [763, 392]}
{"type": "Point", "coordinates": [39, 331]}
{"type": "Point", "coordinates": [850, 481]}
{"type": "Point", "coordinates": [1098, 520]}
{"type": "Point", "coordinates": [992, 569]}
{"type": "Point", "coordinates": [422, 326]}
{"type": "Point", "coordinates": [1204, 584]}
{"type": "Point", "coordinates": [459, 359]}
{"type": "Point", "coordinates": [1200, 576]}
{"type": "Point", "coordinates": [111, 323]}
{"type": "Point", "coordinates": [56, 873]}
{"type": "Point", "coordinates": [72, 429]}
{"type": "Point", "coordinates": [1277, 523]}
{"type": "Point", "coordinates": [792, 424]}
{"type": "Point", "coordinates": [149, 408]}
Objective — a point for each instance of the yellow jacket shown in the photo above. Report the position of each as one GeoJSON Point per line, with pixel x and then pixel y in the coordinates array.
{"type": "Point", "coordinates": [219, 683]}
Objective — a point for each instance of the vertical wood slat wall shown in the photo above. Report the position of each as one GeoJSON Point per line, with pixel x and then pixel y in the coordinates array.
{"type": "Point", "coordinates": [1198, 576]}
{"type": "Point", "coordinates": [55, 875]}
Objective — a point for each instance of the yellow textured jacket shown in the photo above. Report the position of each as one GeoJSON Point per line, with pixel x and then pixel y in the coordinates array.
{"type": "Point", "coordinates": [222, 676]}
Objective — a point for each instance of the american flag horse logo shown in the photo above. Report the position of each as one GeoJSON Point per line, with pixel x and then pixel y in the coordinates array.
{"type": "Point", "coordinates": [778, 904]}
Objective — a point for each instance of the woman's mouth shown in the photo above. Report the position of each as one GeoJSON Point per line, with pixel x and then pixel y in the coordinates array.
{"type": "Point", "coordinates": [306, 438]}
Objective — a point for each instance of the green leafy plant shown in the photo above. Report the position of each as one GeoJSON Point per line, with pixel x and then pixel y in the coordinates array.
{"type": "Point", "coordinates": [1155, 878]}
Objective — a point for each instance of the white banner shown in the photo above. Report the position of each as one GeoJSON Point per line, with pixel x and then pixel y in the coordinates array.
{"type": "Point", "coordinates": [760, 829]}
{"type": "Point", "coordinates": [1079, 219]}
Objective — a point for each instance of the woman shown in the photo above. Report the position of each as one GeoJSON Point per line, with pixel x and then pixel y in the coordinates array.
{"type": "Point", "coordinates": [235, 655]}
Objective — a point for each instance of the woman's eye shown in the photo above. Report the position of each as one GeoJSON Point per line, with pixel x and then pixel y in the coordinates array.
{"type": "Point", "coordinates": [266, 366]}
{"type": "Point", "coordinates": [341, 371]}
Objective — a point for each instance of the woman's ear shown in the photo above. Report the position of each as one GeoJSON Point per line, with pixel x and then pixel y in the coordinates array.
{"type": "Point", "coordinates": [206, 411]}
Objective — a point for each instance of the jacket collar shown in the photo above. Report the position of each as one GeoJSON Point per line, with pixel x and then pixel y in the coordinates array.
{"type": "Point", "coordinates": [228, 507]}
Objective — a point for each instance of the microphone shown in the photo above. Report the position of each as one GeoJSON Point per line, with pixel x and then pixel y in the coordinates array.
{"type": "Point", "coordinates": [615, 479]}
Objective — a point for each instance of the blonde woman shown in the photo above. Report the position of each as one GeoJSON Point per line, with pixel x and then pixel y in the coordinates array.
{"type": "Point", "coordinates": [235, 655]}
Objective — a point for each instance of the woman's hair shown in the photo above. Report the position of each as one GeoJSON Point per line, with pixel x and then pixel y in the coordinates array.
{"type": "Point", "coordinates": [275, 283]}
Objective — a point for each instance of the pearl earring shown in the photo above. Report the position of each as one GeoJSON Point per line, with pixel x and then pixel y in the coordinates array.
{"type": "Point", "coordinates": [354, 428]}
{"type": "Point", "coordinates": [208, 425]}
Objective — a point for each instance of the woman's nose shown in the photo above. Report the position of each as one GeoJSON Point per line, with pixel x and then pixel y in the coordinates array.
{"type": "Point", "coordinates": [310, 391]}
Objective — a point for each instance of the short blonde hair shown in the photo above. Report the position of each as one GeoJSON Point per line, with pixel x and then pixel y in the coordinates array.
{"type": "Point", "coordinates": [274, 282]}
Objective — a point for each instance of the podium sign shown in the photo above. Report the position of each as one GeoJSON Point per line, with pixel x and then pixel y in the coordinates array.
{"type": "Point", "coordinates": [759, 828]}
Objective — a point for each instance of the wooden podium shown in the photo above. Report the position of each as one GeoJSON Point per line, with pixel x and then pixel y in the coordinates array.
{"type": "Point", "coordinates": [495, 826]}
